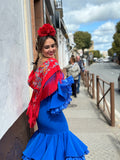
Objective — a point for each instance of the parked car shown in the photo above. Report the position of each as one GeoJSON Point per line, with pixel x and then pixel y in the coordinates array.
{"type": "Point", "coordinates": [94, 59]}
{"type": "Point", "coordinates": [99, 60]}
{"type": "Point", "coordinates": [107, 59]}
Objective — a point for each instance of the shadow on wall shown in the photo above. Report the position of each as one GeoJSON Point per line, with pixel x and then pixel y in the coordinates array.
{"type": "Point", "coordinates": [15, 140]}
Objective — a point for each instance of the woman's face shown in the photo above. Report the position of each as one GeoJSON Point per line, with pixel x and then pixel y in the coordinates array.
{"type": "Point", "coordinates": [49, 48]}
{"type": "Point", "coordinates": [71, 61]}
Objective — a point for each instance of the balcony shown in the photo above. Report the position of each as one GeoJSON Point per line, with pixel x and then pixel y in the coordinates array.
{"type": "Point", "coordinates": [50, 6]}
{"type": "Point", "coordinates": [58, 6]}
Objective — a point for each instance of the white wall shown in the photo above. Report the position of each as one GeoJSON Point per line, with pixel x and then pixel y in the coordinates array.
{"type": "Point", "coordinates": [67, 56]}
{"type": "Point", "coordinates": [14, 92]}
{"type": "Point", "coordinates": [62, 50]}
{"type": "Point", "coordinates": [59, 47]}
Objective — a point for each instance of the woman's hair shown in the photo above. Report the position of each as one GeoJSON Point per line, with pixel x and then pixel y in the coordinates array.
{"type": "Point", "coordinates": [39, 45]}
{"type": "Point", "coordinates": [73, 59]}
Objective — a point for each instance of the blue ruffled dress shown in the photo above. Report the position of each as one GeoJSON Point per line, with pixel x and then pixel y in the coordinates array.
{"type": "Point", "coordinates": [53, 140]}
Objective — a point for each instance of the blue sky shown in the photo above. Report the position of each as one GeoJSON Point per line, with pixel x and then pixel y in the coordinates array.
{"type": "Point", "coordinates": [91, 26]}
{"type": "Point", "coordinates": [98, 17]}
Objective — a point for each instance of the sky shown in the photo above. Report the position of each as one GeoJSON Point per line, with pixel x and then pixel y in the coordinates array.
{"type": "Point", "coordinates": [98, 17]}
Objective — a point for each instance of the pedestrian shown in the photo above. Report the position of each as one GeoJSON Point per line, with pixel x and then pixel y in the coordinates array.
{"type": "Point", "coordinates": [68, 68]}
{"type": "Point", "coordinates": [82, 68]}
{"type": "Point", "coordinates": [74, 70]}
{"type": "Point", "coordinates": [51, 94]}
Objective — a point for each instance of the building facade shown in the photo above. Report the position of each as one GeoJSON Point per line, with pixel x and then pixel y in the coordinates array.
{"type": "Point", "coordinates": [20, 20]}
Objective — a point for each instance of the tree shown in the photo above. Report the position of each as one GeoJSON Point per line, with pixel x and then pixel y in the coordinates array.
{"type": "Point", "coordinates": [96, 53]}
{"type": "Point", "coordinates": [110, 52]}
{"type": "Point", "coordinates": [115, 48]}
{"type": "Point", "coordinates": [82, 40]}
{"type": "Point", "coordinates": [116, 42]}
{"type": "Point", "coordinates": [118, 27]}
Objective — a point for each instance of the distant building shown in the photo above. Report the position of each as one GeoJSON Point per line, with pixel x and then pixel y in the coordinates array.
{"type": "Point", "coordinates": [92, 46]}
{"type": "Point", "coordinates": [104, 53]}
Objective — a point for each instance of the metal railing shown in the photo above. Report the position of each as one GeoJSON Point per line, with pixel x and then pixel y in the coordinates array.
{"type": "Point", "coordinates": [109, 111]}
{"type": "Point", "coordinates": [106, 106]}
{"type": "Point", "coordinates": [88, 80]}
{"type": "Point", "coordinates": [91, 87]}
{"type": "Point", "coordinates": [85, 78]}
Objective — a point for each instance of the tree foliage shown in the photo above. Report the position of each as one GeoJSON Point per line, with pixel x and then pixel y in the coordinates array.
{"type": "Point", "coordinates": [118, 27]}
{"type": "Point", "coordinates": [116, 38]}
{"type": "Point", "coordinates": [110, 52]}
{"type": "Point", "coordinates": [82, 40]}
{"type": "Point", "coordinates": [116, 43]}
{"type": "Point", "coordinates": [96, 53]}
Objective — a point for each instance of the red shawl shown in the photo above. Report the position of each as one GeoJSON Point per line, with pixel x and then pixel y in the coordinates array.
{"type": "Point", "coordinates": [41, 90]}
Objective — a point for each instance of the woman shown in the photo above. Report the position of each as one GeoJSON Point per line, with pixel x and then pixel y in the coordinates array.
{"type": "Point", "coordinates": [51, 94]}
{"type": "Point", "coordinates": [73, 70]}
{"type": "Point", "coordinates": [81, 66]}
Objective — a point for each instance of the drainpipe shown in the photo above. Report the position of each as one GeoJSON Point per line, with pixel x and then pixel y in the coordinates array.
{"type": "Point", "coordinates": [44, 11]}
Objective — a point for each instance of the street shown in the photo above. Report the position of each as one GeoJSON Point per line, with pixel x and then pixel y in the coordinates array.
{"type": "Point", "coordinates": [108, 72]}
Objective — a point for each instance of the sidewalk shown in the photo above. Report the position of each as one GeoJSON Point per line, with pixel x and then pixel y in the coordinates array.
{"type": "Point", "coordinates": [86, 122]}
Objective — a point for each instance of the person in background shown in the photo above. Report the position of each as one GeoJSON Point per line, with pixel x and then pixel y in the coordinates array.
{"type": "Point", "coordinates": [68, 68]}
{"type": "Point", "coordinates": [51, 94]}
{"type": "Point", "coordinates": [74, 70]}
{"type": "Point", "coordinates": [82, 68]}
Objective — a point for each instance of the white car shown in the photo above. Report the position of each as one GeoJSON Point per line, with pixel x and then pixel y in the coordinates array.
{"type": "Point", "coordinates": [100, 60]}
{"type": "Point", "coordinates": [106, 60]}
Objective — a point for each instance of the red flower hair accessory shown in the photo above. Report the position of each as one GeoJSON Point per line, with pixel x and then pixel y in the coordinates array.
{"type": "Point", "coordinates": [46, 30]}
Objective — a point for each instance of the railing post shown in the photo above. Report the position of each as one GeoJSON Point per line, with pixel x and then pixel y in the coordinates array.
{"type": "Point", "coordinates": [88, 80]}
{"type": "Point", "coordinates": [93, 87]}
{"type": "Point", "coordinates": [112, 104]}
{"type": "Point", "coordinates": [84, 79]}
{"type": "Point", "coordinates": [97, 84]}
{"type": "Point", "coordinates": [104, 97]}
{"type": "Point", "coordinates": [82, 75]}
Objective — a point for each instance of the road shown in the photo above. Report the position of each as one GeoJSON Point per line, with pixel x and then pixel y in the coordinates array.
{"type": "Point", "coordinates": [108, 72]}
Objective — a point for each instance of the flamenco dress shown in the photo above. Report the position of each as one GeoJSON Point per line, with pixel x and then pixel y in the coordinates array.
{"type": "Point", "coordinates": [53, 140]}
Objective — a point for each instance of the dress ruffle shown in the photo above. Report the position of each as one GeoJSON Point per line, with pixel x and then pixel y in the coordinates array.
{"type": "Point", "coordinates": [61, 98]}
{"type": "Point", "coordinates": [53, 140]}
{"type": "Point", "coordinates": [62, 146]}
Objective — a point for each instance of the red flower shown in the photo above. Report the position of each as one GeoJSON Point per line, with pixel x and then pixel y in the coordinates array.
{"type": "Point", "coordinates": [46, 30]}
